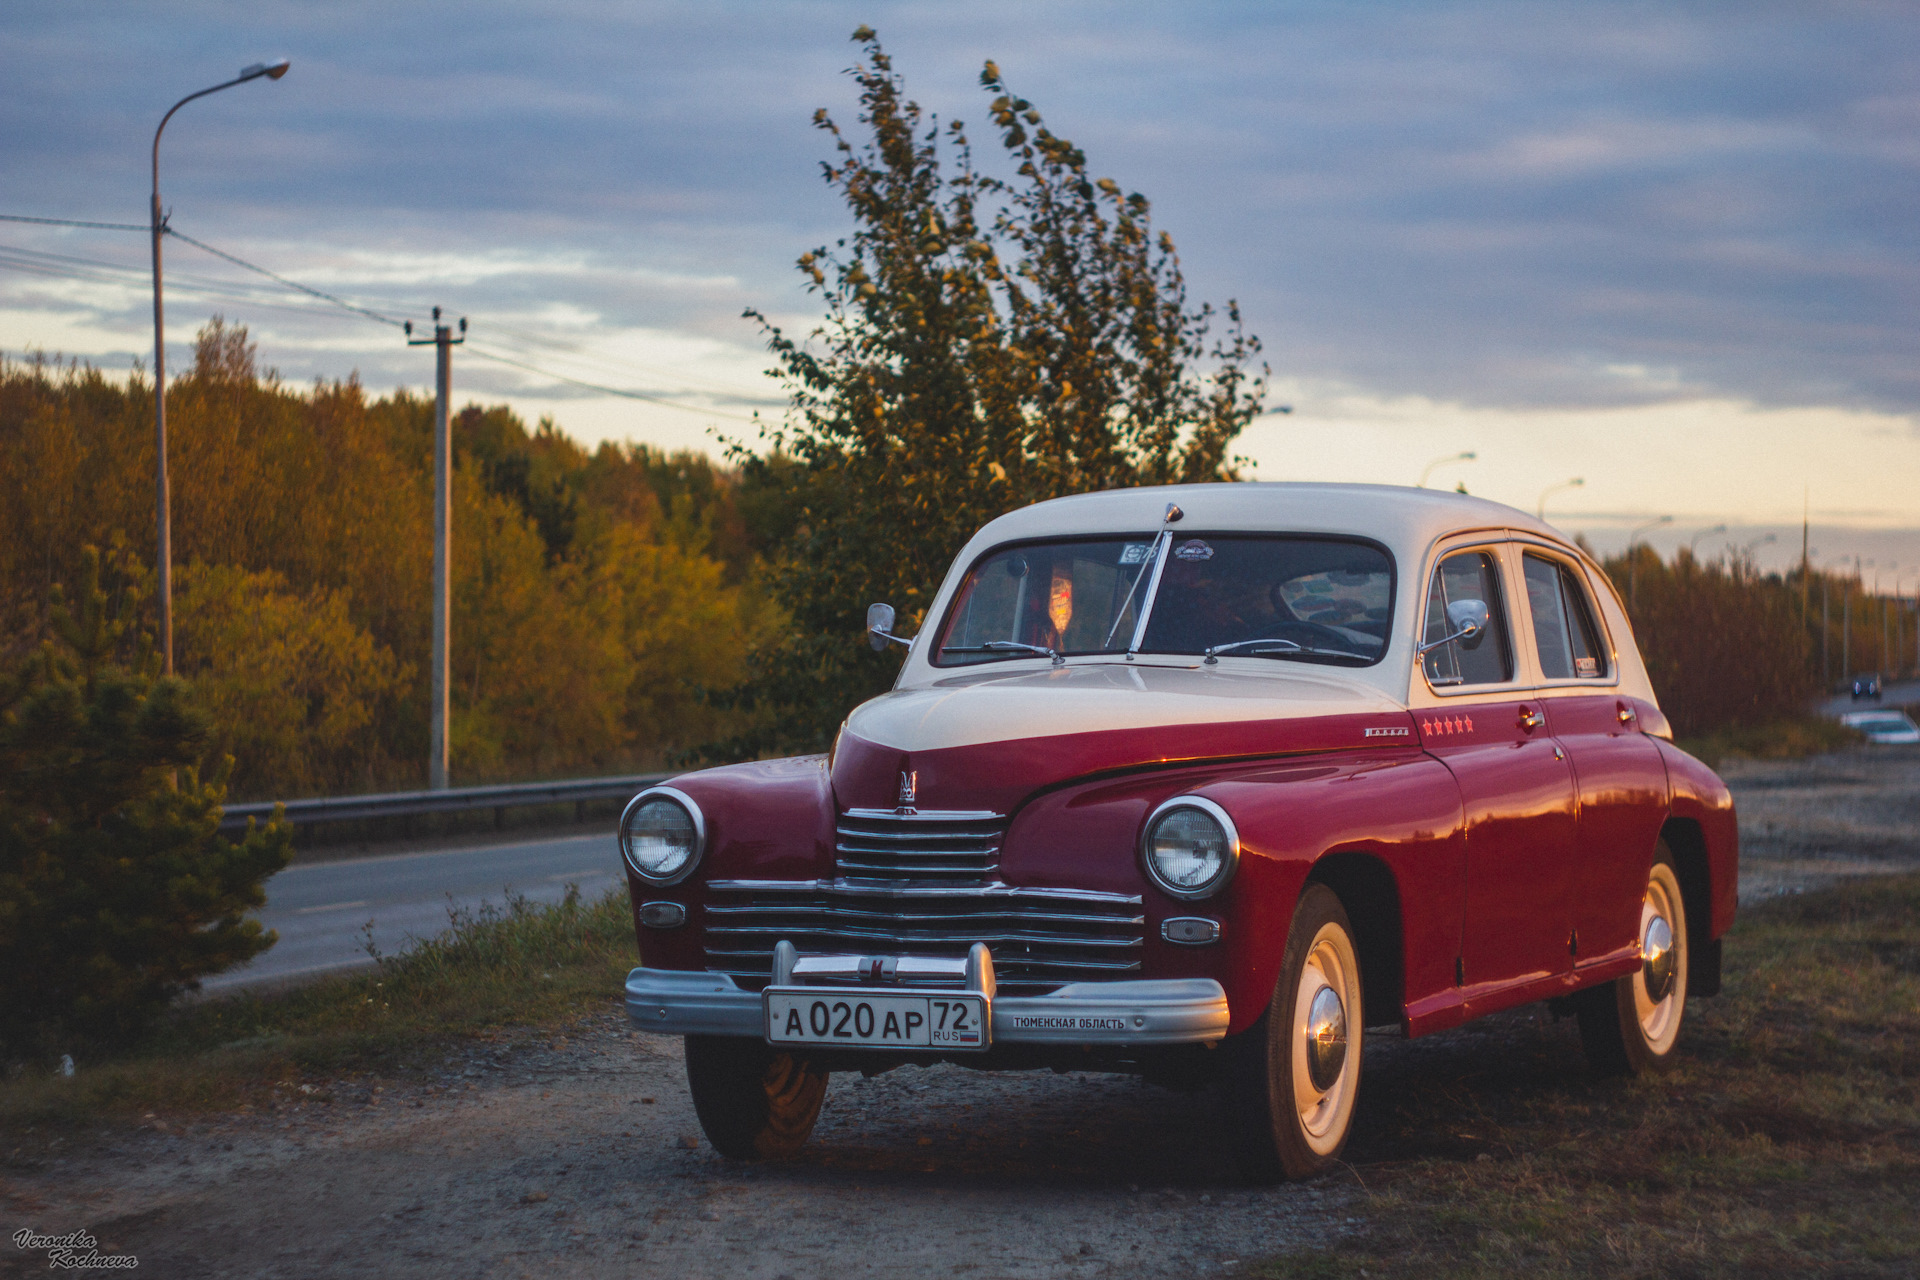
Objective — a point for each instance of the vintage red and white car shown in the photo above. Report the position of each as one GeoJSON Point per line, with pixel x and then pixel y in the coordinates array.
{"type": "Point", "coordinates": [1198, 782]}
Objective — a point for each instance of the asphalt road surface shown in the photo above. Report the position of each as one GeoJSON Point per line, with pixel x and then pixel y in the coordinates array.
{"type": "Point", "coordinates": [323, 910]}
{"type": "Point", "coordinates": [1905, 693]}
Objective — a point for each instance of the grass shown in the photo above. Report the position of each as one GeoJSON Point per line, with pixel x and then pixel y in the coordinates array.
{"type": "Point", "coordinates": [1785, 1143]}
{"type": "Point", "coordinates": [1778, 740]}
{"type": "Point", "coordinates": [499, 967]}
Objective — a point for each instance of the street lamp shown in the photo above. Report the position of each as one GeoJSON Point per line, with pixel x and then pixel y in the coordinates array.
{"type": "Point", "coordinates": [1694, 541]}
{"type": "Point", "coordinates": [1761, 542]}
{"type": "Point", "coordinates": [1633, 562]}
{"type": "Point", "coordinates": [1541, 509]}
{"type": "Point", "coordinates": [163, 554]}
{"type": "Point", "coordinates": [1468, 456]}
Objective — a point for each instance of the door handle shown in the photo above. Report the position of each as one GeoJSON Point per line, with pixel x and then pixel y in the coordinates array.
{"type": "Point", "coordinates": [1531, 719]}
{"type": "Point", "coordinates": [1625, 713]}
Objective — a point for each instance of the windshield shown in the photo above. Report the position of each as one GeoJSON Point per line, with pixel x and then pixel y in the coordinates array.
{"type": "Point", "coordinates": [1287, 597]}
{"type": "Point", "coordinates": [1068, 597]}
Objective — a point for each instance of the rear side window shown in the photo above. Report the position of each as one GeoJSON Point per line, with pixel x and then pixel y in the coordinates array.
{"type": "Point", "coordinates": [1564, 633]}
{"type": "Point", "coordinates": [1485, 658]}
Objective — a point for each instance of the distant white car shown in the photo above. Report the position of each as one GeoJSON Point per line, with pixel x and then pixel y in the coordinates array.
{"type": "Point", "coordinates": [1887, 728]}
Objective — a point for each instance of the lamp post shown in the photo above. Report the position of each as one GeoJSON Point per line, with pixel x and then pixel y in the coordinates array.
{"type": "Point", "coordinates": [1633, 563]}
{"type": "Point", "coordinates": [163, 553]}
{"type": "Point", "coordinates": [1468, 456]}
{"type": "Point", "coordinates": [1694, 541]}
{"type": "Point", "coordinates": [1575, 483]}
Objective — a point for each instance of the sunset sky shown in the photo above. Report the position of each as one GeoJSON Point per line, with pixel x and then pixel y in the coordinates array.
{"type": "Point", "coordinates": [1669, 250]}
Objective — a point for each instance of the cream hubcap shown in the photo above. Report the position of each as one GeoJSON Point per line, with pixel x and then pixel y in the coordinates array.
{"type": "Point", "coordinates": [1660, 986]}
{"type": "Point", "coordinates": [1325, 1070]}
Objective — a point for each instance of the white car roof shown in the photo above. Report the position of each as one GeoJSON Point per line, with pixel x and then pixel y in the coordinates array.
{"type": "Point", "coordinates": [1407, 520]}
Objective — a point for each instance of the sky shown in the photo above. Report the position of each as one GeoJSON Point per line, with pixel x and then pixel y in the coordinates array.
{"type": "Point", "coordinates": [1666, 250]}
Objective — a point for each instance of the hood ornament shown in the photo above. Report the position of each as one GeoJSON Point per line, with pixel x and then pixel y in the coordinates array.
{"type": "Point", "coordinates": [908, 781]}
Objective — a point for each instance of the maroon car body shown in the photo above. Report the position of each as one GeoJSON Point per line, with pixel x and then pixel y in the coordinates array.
{"type": "Point", "coordinates": [1432, 784]}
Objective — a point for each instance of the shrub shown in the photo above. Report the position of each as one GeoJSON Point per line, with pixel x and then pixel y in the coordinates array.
{"type": "Point", "coordinates": [116, 888]}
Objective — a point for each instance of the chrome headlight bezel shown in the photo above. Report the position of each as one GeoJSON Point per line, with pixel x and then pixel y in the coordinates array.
{"type": "Point", "coordinates": [1229, 865]}
{"type": "Point", "coordinates": [685, 802]}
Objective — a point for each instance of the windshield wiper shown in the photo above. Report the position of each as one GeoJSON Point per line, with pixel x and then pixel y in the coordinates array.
{"type": "Point", "coordinates": [1274, 647]}
{"type": "Point", "coordinates": [1011, 648]}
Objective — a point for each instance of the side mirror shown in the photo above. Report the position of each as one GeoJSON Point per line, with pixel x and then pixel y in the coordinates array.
{"type": "Point", "coordinates": [1468, 618]}
{"type": "Point", "coordinates": [879, 626]}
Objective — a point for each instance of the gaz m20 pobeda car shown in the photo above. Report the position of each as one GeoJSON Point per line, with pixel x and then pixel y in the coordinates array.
{"type": "Point", "coordinates": [1198, 783]}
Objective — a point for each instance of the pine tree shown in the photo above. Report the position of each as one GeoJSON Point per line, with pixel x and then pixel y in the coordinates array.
{"type": "Point", "coordinates": [116, 888]}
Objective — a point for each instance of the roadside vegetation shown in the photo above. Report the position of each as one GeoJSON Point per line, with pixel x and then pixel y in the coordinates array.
{"type": "Point", "coordinates": [1785, 1143]}
{"type": "Point", "coordinates": [508, 968]}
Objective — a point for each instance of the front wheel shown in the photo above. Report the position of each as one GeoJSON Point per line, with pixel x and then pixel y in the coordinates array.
{"type": "Point", "coordinates": [754, 1102]}
{"type": "Point", "coordinates": [1294, 1076]}
{"type": "Point", "coordinates": [1630, 1025]}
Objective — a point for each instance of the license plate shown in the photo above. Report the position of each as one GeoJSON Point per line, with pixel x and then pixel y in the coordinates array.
{"type": "Point", "coordinates": [857, 1020]}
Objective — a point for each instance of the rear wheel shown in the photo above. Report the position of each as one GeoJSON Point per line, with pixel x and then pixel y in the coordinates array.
{"type": "Point", "coordinates": [1631, 1025]}
{"type": "Point", "coordinates": [1294, 1076]}
{"type": "Point", "coordinates": [754, 1102]}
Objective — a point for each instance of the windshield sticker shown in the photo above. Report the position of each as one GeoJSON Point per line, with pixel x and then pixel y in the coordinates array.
{"type": "Point", "coordinates": [1586, 667]}
{"type": "Point", "coordinates": [1135, 552]}
{"type": "Point", "coordinates": [1192, 550]}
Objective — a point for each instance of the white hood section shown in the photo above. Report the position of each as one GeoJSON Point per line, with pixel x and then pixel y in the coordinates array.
{"type": "Point", "coordinates": [982, 707]}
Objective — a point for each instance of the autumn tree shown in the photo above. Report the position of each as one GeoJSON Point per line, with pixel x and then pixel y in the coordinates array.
{"type": "Point", "coordinates": [989, 342]}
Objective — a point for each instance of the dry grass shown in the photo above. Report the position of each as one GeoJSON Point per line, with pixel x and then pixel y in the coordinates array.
{"type": "Point", "coordinates": [1778, 740]}
{"type": "Point", "coordinates": [526, 964]}
{"type": "Point", "coordinates": [1787, 1143]}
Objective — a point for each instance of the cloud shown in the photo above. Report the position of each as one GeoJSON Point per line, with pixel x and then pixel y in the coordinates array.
{"type": "Point", "coordinates": [1529, 208]}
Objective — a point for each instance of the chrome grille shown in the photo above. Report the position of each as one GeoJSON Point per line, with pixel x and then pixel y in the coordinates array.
{"type": "Point", "coordinates": [1040, 938]}
{"type": "Point", "coordinates": [951, 847]}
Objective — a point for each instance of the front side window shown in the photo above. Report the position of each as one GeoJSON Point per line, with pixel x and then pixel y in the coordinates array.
{"type": "Point", "coordinates": [1564, 634]}
{"type": "Point", "coordinates": [1483, 658]}
{"type": "Point", "coordinates": [1313, 599]}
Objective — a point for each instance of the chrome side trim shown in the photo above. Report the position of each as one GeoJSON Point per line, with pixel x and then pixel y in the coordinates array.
{"type": "Point", "coordinates": [1101, 1014]}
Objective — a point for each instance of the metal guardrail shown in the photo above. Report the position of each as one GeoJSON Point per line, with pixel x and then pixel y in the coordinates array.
{"type": "Point", "coordinates": [408, 804]}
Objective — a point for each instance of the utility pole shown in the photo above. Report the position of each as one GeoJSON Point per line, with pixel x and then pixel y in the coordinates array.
{"type": "Point", "coordinates": [1806, 516]}
{"type": "Point", "coordinates": [443, 342]}
{"type": "Point", "coordinates": [1826, 634]}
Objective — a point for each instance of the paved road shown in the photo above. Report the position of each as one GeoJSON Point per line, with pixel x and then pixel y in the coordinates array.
{"type": "Point", "coordinates": [1905, 693]}
{"type": "Point", "coordinates": [322, 908]}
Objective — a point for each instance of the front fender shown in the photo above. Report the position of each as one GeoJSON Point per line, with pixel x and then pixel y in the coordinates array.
{"type": "Point", "coordinates": [1398, 809]}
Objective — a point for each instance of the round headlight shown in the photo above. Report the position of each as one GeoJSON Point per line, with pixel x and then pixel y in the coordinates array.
{"type": "Point", "coordinates": [662, 835]}
{"type": "Point", "coordinates": [1190, 847]}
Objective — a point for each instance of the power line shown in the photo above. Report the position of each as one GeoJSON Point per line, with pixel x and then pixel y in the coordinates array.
{"type": "Point", "coordinates": [50, 268]}
{"type": "Point", "coordinates": [474, 349]}
{"type": "Point", "coordinates": [280, 279]}
{"type": "Point", "coordinates": [69, 222]}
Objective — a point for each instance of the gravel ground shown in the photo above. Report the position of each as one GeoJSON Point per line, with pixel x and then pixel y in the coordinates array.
{"type": "Point", "coordinates": [1807, 823]}
{"type": "Point", "coordinates": [580, 1155]}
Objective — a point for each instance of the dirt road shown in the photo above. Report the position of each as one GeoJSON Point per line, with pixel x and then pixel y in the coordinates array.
{"type": "Point", "coordinates": [580, 1155]}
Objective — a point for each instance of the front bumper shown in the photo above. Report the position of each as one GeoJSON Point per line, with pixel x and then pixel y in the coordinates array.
{"type": "Point", "coordinates": [1100, 1014]}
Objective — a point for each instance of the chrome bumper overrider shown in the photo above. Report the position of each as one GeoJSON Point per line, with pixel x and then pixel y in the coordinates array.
{"type": "Point", "coordinates": [1117, 1014]}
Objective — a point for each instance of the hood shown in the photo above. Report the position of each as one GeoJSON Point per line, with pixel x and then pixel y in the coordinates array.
{"type": "Point", "coordinates": [984, 740]}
